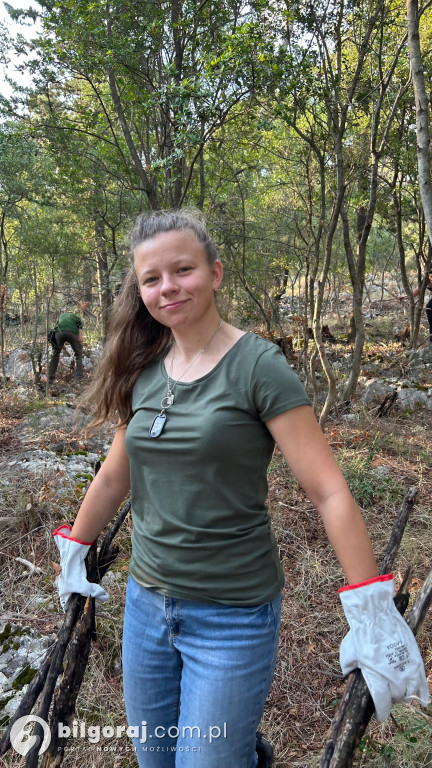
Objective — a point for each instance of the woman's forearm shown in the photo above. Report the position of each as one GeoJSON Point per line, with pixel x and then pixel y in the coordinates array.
{"type": "Point", "coordinates": [314, 466]}
{"type": "Point", "coordinates": [97, 510]}
{"type": "Point", "coordinates": [348, 536]}
{"type": "Point", "coordinates": [106, 492]}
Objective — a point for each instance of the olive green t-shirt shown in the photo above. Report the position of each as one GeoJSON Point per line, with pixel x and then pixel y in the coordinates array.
{"type": "Point", "coordinates": [68, 321]}
{"type": "Point", "coordinates": [201, 529]}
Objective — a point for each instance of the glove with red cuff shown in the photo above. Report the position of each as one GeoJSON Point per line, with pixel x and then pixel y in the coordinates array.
{"type": "Point", "coordinates": [73, 576]}
{"type": "Point", "coordinates": [381, 644]}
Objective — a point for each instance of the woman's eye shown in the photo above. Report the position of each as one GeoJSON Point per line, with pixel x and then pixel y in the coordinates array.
{"type": "Point", "coordinates": [185, 269]}
{"type": "Point", "coordinates": [149, 280]}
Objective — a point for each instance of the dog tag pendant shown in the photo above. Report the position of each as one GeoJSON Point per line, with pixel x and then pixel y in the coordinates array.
{"type": "Point", "coordinates": [158, 424]}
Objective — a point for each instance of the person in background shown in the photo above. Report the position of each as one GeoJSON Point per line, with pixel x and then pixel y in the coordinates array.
{"type": "Point", "coordinates": [198, 406]}
{"type": "Point", "coordinates": [69, 330]}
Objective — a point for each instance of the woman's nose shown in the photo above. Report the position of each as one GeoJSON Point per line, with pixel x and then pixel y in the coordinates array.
{"type": "Point", "coordinates": [169, 284]}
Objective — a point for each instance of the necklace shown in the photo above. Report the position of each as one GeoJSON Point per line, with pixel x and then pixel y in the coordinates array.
{"type": "Point", "coordinates": [159, 421]}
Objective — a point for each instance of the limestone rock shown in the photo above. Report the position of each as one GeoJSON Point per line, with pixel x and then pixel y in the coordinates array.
{"type": "Point", "coordinates": [376, 390]}
{"type": "Point", "coordinates": [18, 364]}
{"type": "Point", "coordinates": [411, 398]}
{"type": "Point", "coordinates": [22, 650]}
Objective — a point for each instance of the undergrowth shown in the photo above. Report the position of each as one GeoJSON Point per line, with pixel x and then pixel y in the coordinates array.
{"type": "Point", "coordinates": [368, 484]}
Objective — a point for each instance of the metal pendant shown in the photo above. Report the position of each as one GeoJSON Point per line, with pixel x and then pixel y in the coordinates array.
{"type": "Point", "coordinates": [158, 424]}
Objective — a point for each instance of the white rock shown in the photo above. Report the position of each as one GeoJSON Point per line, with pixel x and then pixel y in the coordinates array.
{"type": "Point", "coordinates": [381, 471]}
{"type": "Point", "coordinates": [18, 364]}
{"type": "Point", "coordinates": [376, 390]}
{"type": "Point", "coordinates": [410, 399]}
{"type": "Point", "coordinates": [31, 650]}
{"type": "Point", "coordinates": [112, 577]}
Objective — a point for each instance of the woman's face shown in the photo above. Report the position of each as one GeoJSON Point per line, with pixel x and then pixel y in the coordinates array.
{"type": "Point", "coordinates": [175, 279]}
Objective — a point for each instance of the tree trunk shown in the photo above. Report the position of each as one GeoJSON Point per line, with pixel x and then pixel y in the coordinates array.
{"type": "Point", "coordinates": [3, 297]}
{"type": "Point", "coordinates": [35, 351]}
{"type": "Point", "coordinates": [356, 332]}
{"type": "Point", "coordinates": [337, 206]}
{"type": "Point", "coordinates": [202, 178]}
{"type": "Point", "coordinates": [105, 296]}
{"type": "Point", "coordinates": [4, 261]}
{"type": "Point", "coordinates": [357, 268]}
{"type": "Point", "coordinates": [316, 301]}
{"type": "Point", "coordinates": [422, 112]}
{"type": "Point", "coordinates": [145, 182]}
{"type": "Point", "coordinates": [87, 283]}
{"type": "Point", "coordinates": [317, 324]}
{"type": "Point", "coordinates": [352, 330]}
{"type": "Point", "coordinates": [47, 328]}
{"type": "Point", "coordinates": [397, 201]}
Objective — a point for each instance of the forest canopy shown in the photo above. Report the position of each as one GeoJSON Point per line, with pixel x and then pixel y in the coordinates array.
{"type": "Point", "coordinates": [293, 128]}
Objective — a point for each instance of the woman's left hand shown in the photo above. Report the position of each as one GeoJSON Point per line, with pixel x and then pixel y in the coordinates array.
{"type": "Point", "coordinates": [381, 644]}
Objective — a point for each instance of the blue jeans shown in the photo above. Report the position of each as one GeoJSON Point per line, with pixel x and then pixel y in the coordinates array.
{"type": "Point", "coordinates": [196, 677]}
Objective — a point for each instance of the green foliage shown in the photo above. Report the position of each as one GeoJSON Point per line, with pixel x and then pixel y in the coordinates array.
{"type": "Point", "coordinates": [368, 486]}
{"type": "Point", "coordinates": [425, 456]}
{"type": "Point", "coordinates": [24, 678]}
{"type": "Point", "coordinates": [410, 744]}
{"type": "Point", "coordinates": [228, 105]}
{"type": "Point", "coordinates": [153, 83]}
{"type": "Point", "coordinates": [7, 636]}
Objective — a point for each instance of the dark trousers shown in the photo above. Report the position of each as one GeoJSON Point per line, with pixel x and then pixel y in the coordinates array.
{"type": "Point", "coordinates": [429, 316]}
{"type": "Point", "coordinates": [61, 338]}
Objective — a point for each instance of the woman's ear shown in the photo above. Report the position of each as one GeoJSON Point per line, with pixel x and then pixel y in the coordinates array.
{"type": "Point", "coordinates": [217, 270]}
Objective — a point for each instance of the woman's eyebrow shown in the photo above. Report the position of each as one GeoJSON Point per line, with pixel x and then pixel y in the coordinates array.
{"type": "Point", "coordinates": [174, 263]}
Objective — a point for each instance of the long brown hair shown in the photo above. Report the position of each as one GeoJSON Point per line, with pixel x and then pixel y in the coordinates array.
{"type": "Point", "coordinates": [135, 338]}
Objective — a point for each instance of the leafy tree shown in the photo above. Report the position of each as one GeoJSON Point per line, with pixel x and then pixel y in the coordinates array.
{"type": "Point", "coordinates": [163, 78]}
{"type": "Point", "coordinates": [21, 181]}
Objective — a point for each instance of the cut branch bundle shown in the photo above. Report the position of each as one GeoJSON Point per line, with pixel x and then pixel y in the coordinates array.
{"type": "Point", "coordinates": [68, 657]}
{"type": "Point", "coordinates": [356, 708]}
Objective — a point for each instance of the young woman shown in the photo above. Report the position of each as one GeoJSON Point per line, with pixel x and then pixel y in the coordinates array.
{"type": "Point", "coordinates": [199, 406]}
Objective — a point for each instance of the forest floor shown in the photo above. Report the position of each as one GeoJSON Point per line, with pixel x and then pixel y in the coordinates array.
{"type": "Point", "coordinates": [381, 458]}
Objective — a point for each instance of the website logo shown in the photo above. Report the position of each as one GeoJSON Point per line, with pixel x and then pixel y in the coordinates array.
{"type": "Point", "coordinates": [21, 736]}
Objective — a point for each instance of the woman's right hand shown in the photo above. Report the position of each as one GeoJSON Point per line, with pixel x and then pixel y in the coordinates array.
{"type": "Point", "coordinates": [73, 576]}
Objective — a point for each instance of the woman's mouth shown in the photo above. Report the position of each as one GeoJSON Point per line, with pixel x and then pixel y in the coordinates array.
{"type": "Point", "coordinates": [174, 304]}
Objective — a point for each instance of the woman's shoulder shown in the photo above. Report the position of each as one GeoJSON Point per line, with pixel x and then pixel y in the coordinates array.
{"type": "Point", "coordinates": [273, 384]}
{"type": "Point", "coordinates": [254, 355]}
{"type": "Point", "coordinates": [255, 344]}
{"type": "Point", "coordinates": [150, 370]}
{"type": "Point", "coordinates": [243, 345]}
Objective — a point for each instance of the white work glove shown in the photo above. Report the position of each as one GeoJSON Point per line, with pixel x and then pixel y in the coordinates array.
{"type": "Point", "coordinates": [381, 644]}
{"type": "Point", "coordinates": [73, 576]}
